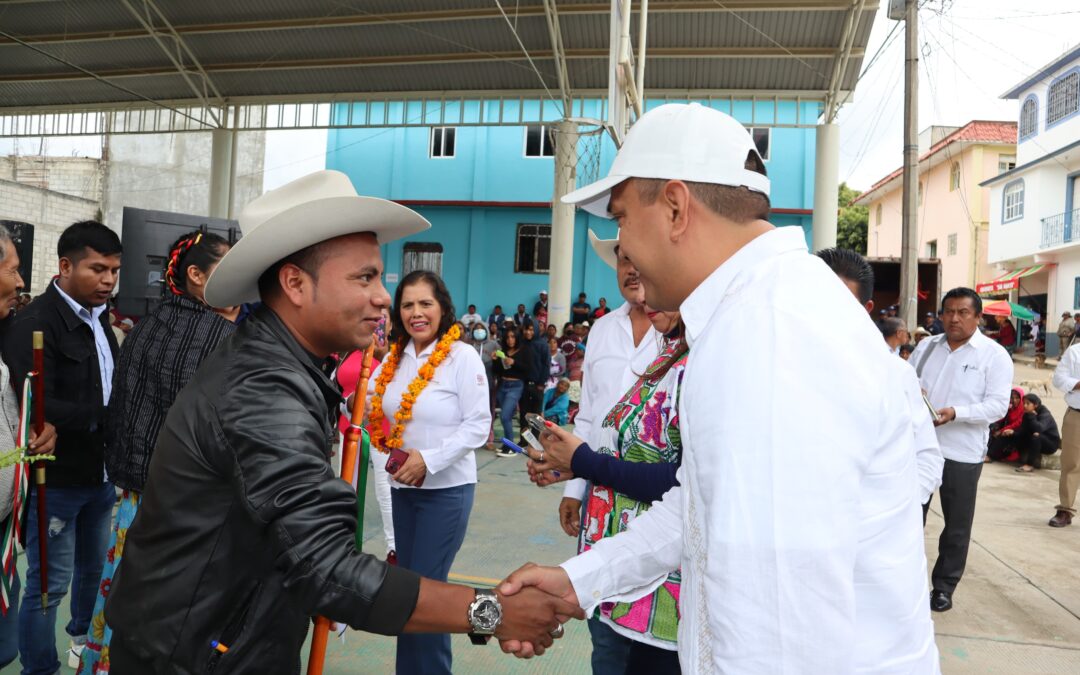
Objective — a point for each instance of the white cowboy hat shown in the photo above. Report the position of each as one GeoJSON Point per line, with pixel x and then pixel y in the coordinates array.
{"type": "Point", "coordinates": [310, 209]}
{"type": "Point", "coordinates": [605, 248]}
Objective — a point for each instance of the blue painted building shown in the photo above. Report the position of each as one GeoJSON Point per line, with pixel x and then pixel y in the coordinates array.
{"type": "Point", "coordinates": [487, 192]}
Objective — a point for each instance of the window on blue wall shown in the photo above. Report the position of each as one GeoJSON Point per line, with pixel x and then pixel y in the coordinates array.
{"type": "Point", "coordinates": [533, 249]}
{"type": "Point", "coordinates": [442, 141]}
{"type": "Point", "coordinates": [421, 255]}
{"type": "Point", "coordinates": [761, 136]}
{"type": "Point", "coordinates": [539, 141]}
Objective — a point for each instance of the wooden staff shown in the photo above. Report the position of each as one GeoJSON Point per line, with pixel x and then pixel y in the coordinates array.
{"type": "Point", "coordinates": [39, 467]}
{"type": "Point", "coordinates": [317, 656]}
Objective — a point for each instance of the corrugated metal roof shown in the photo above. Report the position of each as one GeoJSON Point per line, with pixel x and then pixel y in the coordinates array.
{"type": "Point", "coordinates": [285, 47]}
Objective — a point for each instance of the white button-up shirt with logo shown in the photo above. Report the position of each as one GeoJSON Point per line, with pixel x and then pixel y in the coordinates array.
{"type": "Point", "coordinates": [613, 363]}
{"type": "Point", "coordinates": [451, 417]}
{"type": "Point", "coordinates": [795, 522]}
{"type": "Point", "coordinates": [975, 380]}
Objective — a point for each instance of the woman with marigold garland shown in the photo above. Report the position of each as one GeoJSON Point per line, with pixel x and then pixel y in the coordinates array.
{"type": "Point", "coordinates": [157, 360]}
{"type": "Point", "coordinates": [433, 390]}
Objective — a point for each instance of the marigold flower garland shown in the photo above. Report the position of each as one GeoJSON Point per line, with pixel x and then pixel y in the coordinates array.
{"type": "Point", "coordinates": [408, 398]}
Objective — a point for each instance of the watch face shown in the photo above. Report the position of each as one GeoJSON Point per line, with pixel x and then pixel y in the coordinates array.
{"type": "Point", "coordinates": [487, 615]}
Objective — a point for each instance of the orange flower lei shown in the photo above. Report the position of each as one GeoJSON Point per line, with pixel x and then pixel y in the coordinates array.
{"type": "Point", "coordinates": [408, 398]}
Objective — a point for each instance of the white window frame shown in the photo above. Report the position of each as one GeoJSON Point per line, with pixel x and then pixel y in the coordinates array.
{"type": "Point", "coordinates": [954, 177]}
{"type": "Point", "coordinates": [931, 249]}
{"type": "Point", "coordinates": [442, 143]}
{"type": "Point", "coordinates": [1029, 115]}
{"type": "Point", "coordinates": [1009, 162]}
{"type": "Point", "coordinates": [879, 213]}
{"type": "Point", "coordinates": [1015, 210]}
{"type": "Point", "coordinates": [952, 244]}
{"type": "Point", "coordinates": [1063, 98]}
{"type": "Point", "coordinates": [546, 140]}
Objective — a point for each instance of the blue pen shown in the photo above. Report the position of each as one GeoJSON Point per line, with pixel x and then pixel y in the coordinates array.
{"type": "Point", "coordinates": [521, 451]}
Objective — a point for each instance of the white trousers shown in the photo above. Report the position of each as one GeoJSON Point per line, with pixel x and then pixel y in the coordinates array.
{"type": "Point", "coordinates": [382, 488]}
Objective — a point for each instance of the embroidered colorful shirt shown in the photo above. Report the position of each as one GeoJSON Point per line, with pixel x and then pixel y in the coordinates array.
{"type": "Point", "coordinates": [642, 427]}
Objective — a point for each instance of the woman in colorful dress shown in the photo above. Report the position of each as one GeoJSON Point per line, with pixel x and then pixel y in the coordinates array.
{"type": "Point", "coordinates": [639, 452]}
{"type": "Point", "coordinates": [157, 359]}
{"type": "Point", "coordinates": [433, 390]}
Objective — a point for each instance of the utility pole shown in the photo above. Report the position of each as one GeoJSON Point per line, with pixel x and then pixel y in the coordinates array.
{"type": "Point", "coordinates": [909, 238]}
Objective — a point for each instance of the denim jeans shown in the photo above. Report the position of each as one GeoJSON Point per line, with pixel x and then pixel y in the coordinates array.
{"type": "Point", "coordinates": [429, 526]}
{"type": "Point", "coordinates": [509, 394]}
{"type": "Point", "coordinates": [609, 649]}
{"type": "Point", "coordinates": [78, 534]}
{"type": "Point", "coordinates": [9, 627]}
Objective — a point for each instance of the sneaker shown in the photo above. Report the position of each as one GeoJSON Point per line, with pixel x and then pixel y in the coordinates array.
{"type": "Point", "coordinates": [74, 654]}
{"type": "Point", "coordinates": [505, 452]}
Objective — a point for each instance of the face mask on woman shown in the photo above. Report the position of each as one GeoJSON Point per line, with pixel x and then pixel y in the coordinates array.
{"type": "Point", "coordinates": [479, 334]}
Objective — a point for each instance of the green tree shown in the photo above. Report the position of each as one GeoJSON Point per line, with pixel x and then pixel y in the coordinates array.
{"type": "Point", "coordinates": [852, 221]}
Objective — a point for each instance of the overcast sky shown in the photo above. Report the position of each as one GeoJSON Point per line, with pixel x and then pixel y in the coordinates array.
{"type": "Point", "coordinates": [971, 52]}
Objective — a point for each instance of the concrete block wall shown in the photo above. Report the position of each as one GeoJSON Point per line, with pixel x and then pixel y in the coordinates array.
{"type": "Point", "coordinates": [50, 213]}
{"type": "Point", "coordinates": [76, 176]}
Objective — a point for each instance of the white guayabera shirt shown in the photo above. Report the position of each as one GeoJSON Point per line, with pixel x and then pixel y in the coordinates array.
{"type": "Point", "coordinates": [612, 365]}
{"type": "Point", "coordinates": [796, 523]}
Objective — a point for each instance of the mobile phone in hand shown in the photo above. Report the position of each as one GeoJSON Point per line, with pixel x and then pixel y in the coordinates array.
{"type": "Point", "coordinates": [536, 423]}
{"type": "Point", "coordinates": [397, 459]}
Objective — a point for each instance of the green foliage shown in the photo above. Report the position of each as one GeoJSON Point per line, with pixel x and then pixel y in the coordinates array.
{"type": "Point", "coordinates": [852, 221]}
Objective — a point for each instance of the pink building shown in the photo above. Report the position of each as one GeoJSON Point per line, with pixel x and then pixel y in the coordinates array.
{"type": "Point", "coordinates": [954, 211]}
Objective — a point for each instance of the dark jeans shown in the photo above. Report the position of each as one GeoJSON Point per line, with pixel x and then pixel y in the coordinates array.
{"type": "Point", "coordinates": [508, 395]}
{"type": "Point", "coordinates": [609, 649]}
{"type": "Point", "coordinates": [645, 659]}
{"type": "Point", "coordinates": [532, 401]}
{"type": "Point", "coordinates": [78, 532]}
{"type": "Point", "coordinates": [959, 486]}
{"type": "Point", "coordinates": [9, 626]}
{"type": "Point", "coordinates": [429, 526]}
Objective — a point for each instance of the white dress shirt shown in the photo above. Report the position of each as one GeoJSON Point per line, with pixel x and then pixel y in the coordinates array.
{"type": "Point", "coordinates": [795, 521]}
{"type": "Point", "coordinates": [1067, 374]}
{"type": "Point", "coordinates": [92, 318]}
{"type": "Point", "coordinates": [451, 417]}
{"type": "Point", "coordinates": [612, 365]}
{"type": "Point", "coordinates": [975, 380]}
{"type": "Point", "coordinates": [928, 458]}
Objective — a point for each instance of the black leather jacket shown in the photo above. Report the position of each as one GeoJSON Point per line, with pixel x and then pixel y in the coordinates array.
{"type": "Point", "coordinates": [243, 532]}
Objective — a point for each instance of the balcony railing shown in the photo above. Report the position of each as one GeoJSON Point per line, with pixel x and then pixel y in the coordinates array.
{"type": "Point", "coordinates": [1060, 229]}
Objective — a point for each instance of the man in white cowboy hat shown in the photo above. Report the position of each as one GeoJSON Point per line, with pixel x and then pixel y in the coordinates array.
{"type": "Point", "coordinates": [796, 523]}
{"type": "Point", "coordinates": [622, 344]}
{"type": "Point", "coordinates": [244, 533]}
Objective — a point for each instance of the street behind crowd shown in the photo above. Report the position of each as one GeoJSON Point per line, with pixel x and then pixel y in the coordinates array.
{"type": "Point", "coordinates": [1018, 612]}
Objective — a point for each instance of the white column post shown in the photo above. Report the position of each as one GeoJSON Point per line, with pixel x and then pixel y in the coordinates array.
{"type": "Point", "coordinates": [221, 172]}
{"type": "Point", "coordinates": [561, 273]}
{"type": "Point", "coordinates": [826, 186]}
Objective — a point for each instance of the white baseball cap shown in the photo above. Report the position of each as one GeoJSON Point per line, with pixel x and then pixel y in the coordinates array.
{"type": "Point", "coordinates": [677, 141]}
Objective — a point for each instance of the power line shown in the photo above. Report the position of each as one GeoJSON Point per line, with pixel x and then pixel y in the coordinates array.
{"type": "Point", "coordinates": [101, 79]}
{"type": "Point", "coordinates": [525, 51]}
{"type": "Point", "coordinates": [767, 37]}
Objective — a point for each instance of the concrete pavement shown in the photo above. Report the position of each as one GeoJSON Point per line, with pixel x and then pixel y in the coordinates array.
{"type": "Point", "coordinates": [1017, 610]}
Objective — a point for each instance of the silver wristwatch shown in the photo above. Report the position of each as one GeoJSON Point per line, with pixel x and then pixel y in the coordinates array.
{"type": "Point", "coordinates": [485, 615]}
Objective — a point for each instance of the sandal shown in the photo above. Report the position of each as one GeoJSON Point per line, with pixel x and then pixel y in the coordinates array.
{"type": "Point", "coordinates": [1025, 469]}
